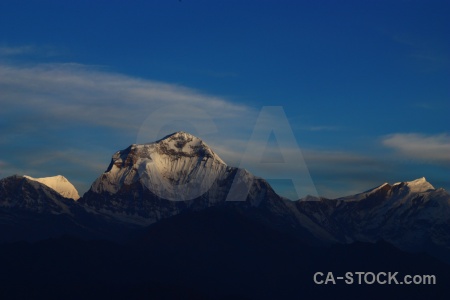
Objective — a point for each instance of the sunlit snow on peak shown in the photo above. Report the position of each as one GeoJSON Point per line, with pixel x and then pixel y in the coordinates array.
{"type": "Point", "coordinates": [178, 167]}
{"type": "Point", "coordinates": [60, 184]}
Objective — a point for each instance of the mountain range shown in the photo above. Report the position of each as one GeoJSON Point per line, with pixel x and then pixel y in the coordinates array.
{"type": "Point", "coordinates": [176, 194]}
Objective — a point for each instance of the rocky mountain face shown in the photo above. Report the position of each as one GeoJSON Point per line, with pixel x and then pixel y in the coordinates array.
{"type": "Point", "coordinates": [26, 194]}
{"type": "Point", "coordinates": [411, 215]}
{"type": "Point", "coordinates": [30, 210]}
{"type": "Point", "coordinates": [146, 183]}
{"type": "Point", "coordinates": [180, 173]}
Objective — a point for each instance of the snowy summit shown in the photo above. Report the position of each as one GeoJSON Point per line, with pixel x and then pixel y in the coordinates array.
{"type": "Point", "coordinates": [60, 184]}
{"type": "Point", "coordinates": [173, 167]}
{"type": "Point", "coordinates": [418, 185]}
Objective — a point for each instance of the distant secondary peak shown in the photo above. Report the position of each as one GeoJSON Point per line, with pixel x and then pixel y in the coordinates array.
{"type": "Point", "coordinates": [419, 185]}
{"type": "Point", "coordinates": [60, 184]}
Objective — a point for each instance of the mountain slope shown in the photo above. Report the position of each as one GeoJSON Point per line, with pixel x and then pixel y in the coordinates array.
{"type": "Point", "coordinates": [146, 183]}
{"type": "Point", "coordinates": [216, 253]}
{"type": "Point", "coordinates": [31, 211]}
{"type": "Point", "coordinates": [180, 173]}
{"type": "Point", "coordinates": [28, 194]}
{"type": "Point", "coordinates": [412, 215]}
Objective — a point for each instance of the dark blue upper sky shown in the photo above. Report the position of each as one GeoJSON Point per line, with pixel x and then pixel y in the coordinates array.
{"type": "Point", "coordinates": [364, 84]}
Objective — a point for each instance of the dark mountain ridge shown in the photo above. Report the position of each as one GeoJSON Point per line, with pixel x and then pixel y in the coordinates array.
{"type": "Point", "coordinates": [216, 253]}
{"type": "Point", "coordinates": [413, 215]}
{"type": "Point", "coordinates": [123, 238]}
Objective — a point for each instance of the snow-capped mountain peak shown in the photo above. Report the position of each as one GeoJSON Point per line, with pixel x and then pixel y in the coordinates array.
{"type": "Point", "coordinates": [420, 185]}
{"type": "Point", "coordinates": [179, 166]}
{"type": "Point", "coordinates": [145, 183]}
{"type": "Point", "coordinates": [184, 144]}
{"type": "Point", "coordinates": [60, 184]}
{"type": "Point", "coordinates": [417, 186]}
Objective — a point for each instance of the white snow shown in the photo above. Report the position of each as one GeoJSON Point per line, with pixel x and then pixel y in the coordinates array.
{"type": "Point", "coordinates": [60, 184]}
{"type": "Point", "coordinates": [419, 185]}
{"type": "Point", "coordinates": [363, 195]}
{"type": "Point", "coordinates": [416, 186]}
{"type": "Point", "coordinates": [178, 167]}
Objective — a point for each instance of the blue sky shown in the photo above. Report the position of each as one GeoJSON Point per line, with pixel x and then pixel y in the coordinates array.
{"type": "Point", "coordinates": [364, 84]}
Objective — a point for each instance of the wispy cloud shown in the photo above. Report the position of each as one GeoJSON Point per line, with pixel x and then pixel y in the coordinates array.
{"type": "Point", "coordinates": [18, 50]}
{"type": "Point", "coordinates": [334, 173]}
{"type": "Point", "coordinates": [340, 173]}
{"type": "Point", "coordinates": [52, 113]}
{"type": "Point", "coordinates": [80, 93]}
{"type": "Point", "coordinates": [337, 157]}
{"type": "Point", "coordinates": [428, 148]}
{"type": "Point", "coordinates": [3, 165]}
{"type": "Point", "coordinates": [6, 169]}
{"type": "Point", "coordinates": [424, 105]}
{"type": "Point", "coordinates": [69, 119]}
{"type": "Point", "coordinates": [321, 128]}
{"type": "Point", "coordinates": [431, 54]}
{"type": "Point", "coordinates": [52, 96]}
{"type": "Point", "coordinates": [30, 51]}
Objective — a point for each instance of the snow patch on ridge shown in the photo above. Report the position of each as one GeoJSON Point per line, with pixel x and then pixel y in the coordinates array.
{"type": "Point", "coordinates": [419, 185]}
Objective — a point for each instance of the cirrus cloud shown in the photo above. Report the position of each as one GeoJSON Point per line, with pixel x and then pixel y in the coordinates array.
{"type": "Point", "coordinates": [430, 148]}
{"type": "Point", "coordinates": [63, 118]}
{"type": "Point", "coordinates": [18, 50]}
